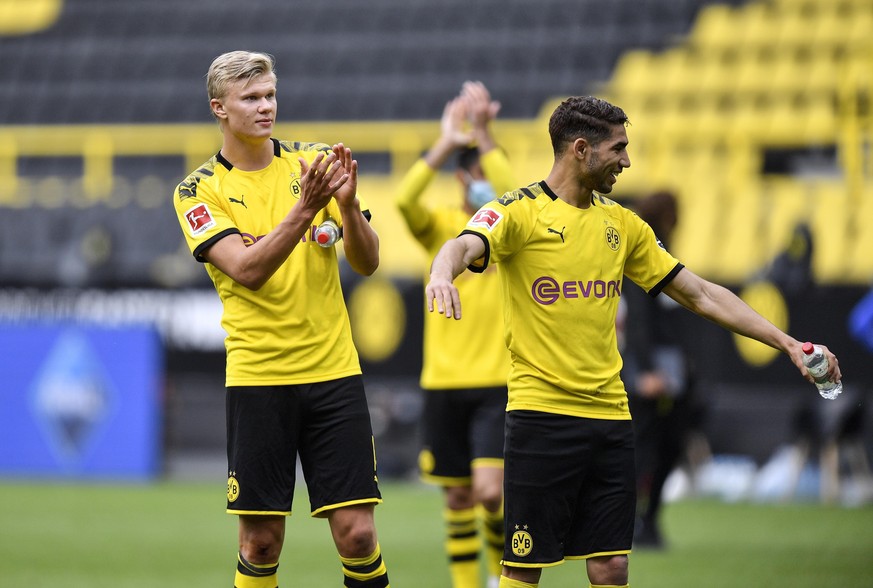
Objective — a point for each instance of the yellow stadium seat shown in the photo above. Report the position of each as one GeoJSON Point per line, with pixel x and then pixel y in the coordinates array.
{"type": "Point", "coordinates": [750, 118]}
{"type": "Point", "coordinates": [715, 29]}
{"type": "Point", "coordinates": [634, 74]}
{"type": "Point", "coordinates": [739, 253]}
{"type": "Point", "coordinates": [756, 23]}
{"type": "Point", "coordinates": [716, 74]}
{"type": "Point", "coordinates": [18, 17]}
{"type": "Point", "coordinates": [829, 221]}
{"type": "Point", "coordinates": [860, 262]}
{"type": "Point", "coordinates": [677, 70]}
{"type": "Point", "coordinates": [822, 72]}
{"type": "Point", "coordinates": [857, 31]}
{"type": "Point", "coordinates": [786, 203]}
{"type": "Point", "coordinates": [819, 118]}
{"type": "Point", "coordinates": [754, 74]}
{"type": "Point", "coordinates": [788, 74]}
{"type": "Point", "coordinates": [793, 29]}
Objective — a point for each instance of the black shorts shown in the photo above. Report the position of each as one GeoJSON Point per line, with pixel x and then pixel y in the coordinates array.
{"type": "Point", "coordinates": [326, 423]}
{"type": "Point", "coordinates": [462, 428]}
{"type": "Point", "coordinates": [569, 488]}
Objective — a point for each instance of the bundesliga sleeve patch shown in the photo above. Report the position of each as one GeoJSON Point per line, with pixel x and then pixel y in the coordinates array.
{"type": "Point", "coordinates": [199, 219]}
{"type": "Point", "coordinates": [485, 218]}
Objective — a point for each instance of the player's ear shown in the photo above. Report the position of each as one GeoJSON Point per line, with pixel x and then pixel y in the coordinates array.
{"type": "Point", "coordinates": [217, 108]}
{"type": "Point", "coordinates": [580, 148]}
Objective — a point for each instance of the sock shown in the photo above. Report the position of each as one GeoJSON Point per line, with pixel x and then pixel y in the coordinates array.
{"type": "Point", "coordinates": [365, 572]}
{"type": "Point", "coordinates": [249, 575]}
{"type": "Point", "coordinates": [507, 583]}
{"type": "Point", "coordinates": [462, 546]}
{"type": "Point", "coordinates": [492, 527]}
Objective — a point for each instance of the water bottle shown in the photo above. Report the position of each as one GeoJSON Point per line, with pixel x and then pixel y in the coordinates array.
{"type": "Point", "coordinates": [815, 361]}
{"type": "Point", "coordinates": [327, 233]}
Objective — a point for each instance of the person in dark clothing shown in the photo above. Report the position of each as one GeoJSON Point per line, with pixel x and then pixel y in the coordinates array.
{"type": "Point", "coordinates": [659, 379]}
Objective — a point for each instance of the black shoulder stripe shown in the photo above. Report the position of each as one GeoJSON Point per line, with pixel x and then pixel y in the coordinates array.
{"type": "Point", "coordinates": [224, 161]}
{"type": "Point", "coordinates": [528, 193]}
{"type": "Point", "coordinates": [548, 190]}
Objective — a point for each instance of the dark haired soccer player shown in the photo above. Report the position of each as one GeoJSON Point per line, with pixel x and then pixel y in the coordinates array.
{"type": "Point", "coordinates": [563, 251]}
{"type": "Point", "coordinates": [251, 214]}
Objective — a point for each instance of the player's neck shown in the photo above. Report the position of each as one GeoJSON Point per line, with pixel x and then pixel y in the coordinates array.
{"type": "Point", "coordinates": [567, 188]}
{"type": "Point", "coordinates": [247, 155]}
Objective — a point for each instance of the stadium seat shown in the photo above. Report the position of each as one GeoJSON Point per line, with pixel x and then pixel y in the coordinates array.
{"type": "Point", "coordinates": [830, 221]}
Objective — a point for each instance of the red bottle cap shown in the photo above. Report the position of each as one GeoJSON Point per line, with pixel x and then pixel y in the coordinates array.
{"type": "Point", "coordinates": [808, 348]}
{"type": "Point", "coordinates": [322, 238]}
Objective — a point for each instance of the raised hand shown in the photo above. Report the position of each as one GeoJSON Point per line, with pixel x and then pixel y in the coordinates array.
{"type": "Point", "coordinates": [481, 109]}
{"type": "Point", "coordinates": [347, 192]}
{"type": "Point", "coordinates": [320, 180]}
{"type": "Point", "coordinates": [453, 121]}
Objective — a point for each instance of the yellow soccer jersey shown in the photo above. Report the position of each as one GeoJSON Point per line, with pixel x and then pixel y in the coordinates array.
{"type": "Point", "coordinates": [485, 360]}
{"type": "Point", "coordinates": [295, 329]}
{"type": "Point", "coordinates": [561, 271]}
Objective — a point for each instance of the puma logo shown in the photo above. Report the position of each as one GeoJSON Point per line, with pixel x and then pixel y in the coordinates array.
{"type": "Point", "coordinates": [242, 200]}
{"type": "Point", "coordinates": [559, 233]}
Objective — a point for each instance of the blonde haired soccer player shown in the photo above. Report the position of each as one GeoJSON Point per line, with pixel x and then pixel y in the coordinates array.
{"type": "Point", "coordinates": [564, 250]}
{"type": "Point", "coordinates": [293, 379]}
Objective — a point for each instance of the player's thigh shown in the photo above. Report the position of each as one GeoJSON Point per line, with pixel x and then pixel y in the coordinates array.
{"type": "Point", "coordinates": [337, 449]}
{"type": "Point", "coordinates": [603, 520]}
{"type": "Point", "coordinates": [262, 426]}
{"type": "Point", "coordinates": [546, 460]}
{"type": "Point", "coordinates": [446, 452]}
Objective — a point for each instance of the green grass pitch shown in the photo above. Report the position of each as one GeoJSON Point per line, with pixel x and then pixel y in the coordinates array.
{"type": "Point", "coordinates": [176, 534]}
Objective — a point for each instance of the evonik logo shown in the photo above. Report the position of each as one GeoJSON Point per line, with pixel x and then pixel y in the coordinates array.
{"type": "Point", "coordinates": [547, 290]}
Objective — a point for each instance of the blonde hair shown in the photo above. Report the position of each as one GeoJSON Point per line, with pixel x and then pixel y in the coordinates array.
{"type": "Point", "coordinates": [234, 66]}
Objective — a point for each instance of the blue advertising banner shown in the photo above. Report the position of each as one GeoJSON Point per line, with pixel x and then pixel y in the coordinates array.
{"type": "Point", "coordinates": [80, 401]}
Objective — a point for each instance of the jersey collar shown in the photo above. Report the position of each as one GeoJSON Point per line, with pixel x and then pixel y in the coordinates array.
{"type": "Point", "coordinates": [554, 196]}
{"type": "Point", "coordinates": [277, 152]}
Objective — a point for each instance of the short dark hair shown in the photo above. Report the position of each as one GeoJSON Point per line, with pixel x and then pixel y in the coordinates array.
{"type": "Point", "coordinates": [468, 157]}
{"type": "Point", "coordinates": [583, 116]}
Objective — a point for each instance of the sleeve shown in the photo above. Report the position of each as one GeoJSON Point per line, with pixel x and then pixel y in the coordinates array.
{"type": "Point", "coordinates": [648, 264]}
{"type": "Point", "coordinates": [418, 218]}
{"type": "Point", "coordinates": [497, 169]}
{"type": "Point", "coordinates": [501, 232]}
{"type": "Point", "coordinates": [201, 216]}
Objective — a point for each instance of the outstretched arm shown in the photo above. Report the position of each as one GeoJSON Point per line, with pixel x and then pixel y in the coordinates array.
{"type": "Point", "coordinates": [452, 259]}
{"type": "Point", "coordinates": [726, 309]}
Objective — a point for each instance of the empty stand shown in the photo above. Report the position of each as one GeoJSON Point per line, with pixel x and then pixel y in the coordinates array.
{"type": "Point", "coordinates": [144, 60]}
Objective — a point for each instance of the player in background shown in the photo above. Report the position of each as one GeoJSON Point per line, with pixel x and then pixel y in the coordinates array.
{"type": "Point", "coordinates": [564, 250]}
{"type": "Point", "coordinates": [251, 215]}
{"type": "Point", "coordinates": [465, 394]}
{"type": "Point", "coordinates": [659, 376]}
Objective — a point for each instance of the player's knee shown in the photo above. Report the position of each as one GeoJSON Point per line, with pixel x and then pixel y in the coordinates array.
{"type": "Point", "coordinates": [260, 548]}
{"type": "Point", "coordinates": [608, 570]}
{"type": "Point", "coordinates": [459, 497]}
{"type": "Point", "coordinates": [357, 541]}
{"type": "Point", "coordinates": [354, 531]}
{"type": "Point", "coordinates": [489, 493]}
{"type": "Point", "coordinates": [261, 539]}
